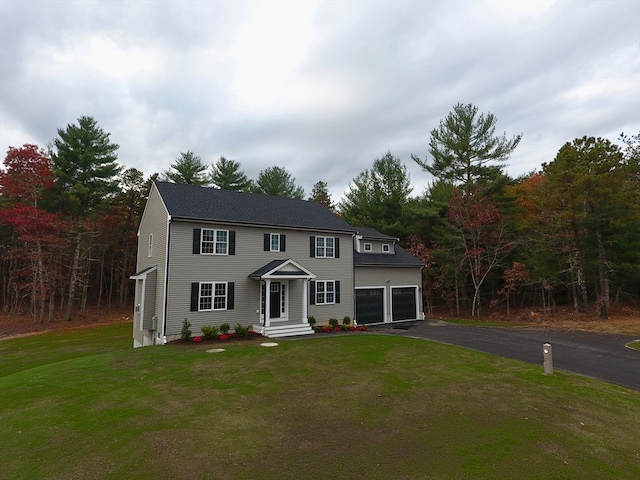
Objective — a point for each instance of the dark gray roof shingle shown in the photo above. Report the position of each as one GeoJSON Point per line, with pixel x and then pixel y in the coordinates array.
{"type": "Point", "coordinates": [201, 203]}
{"type": "Point", "coordinates": [402, 258]}
{"type": "Point", "coordinates": [372, 233]}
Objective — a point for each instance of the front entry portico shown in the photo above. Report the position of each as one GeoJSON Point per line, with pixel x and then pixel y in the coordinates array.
{"type": "Point", "coordinates": [279, 279]}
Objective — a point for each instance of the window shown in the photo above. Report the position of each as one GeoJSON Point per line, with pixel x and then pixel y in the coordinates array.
{"type": "Point", "coordinates": [367, 247]}
{"type": "Point", "coordinates": [275, 242]}
{"type": "Point", "coordinates": [325, 292]}
{"type": "Point", "coordinates": [213, 296]}
{"type": "Point", "coordinates": [325, 247]}
{"type": "Point", "coordinates": [386, 248]}
{"type": "Point", "coordinates": [214, 242]}
{"type": "Point", "coordinates": [150, 251]}
{"type": "Point", "coordinates": [208, 296]}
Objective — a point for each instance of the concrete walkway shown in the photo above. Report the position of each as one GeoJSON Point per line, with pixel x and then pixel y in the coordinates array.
{"type": "Point", "coordinates": [600, 356]}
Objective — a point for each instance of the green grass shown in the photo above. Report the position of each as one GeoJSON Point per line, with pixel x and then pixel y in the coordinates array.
{"type": "Point", "coordinates": [635, 345]}
{"type": "Point", "coordinates": [83, 404]}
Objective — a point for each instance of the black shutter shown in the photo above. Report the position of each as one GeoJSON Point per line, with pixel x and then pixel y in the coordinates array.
{"type": "Point", "coordinates": [337, 248]}
{"type": "Point", "coordinates": [196, 241]}
{"type": "Point", "coordinates": [337, 283]}
{"type": "Point", "coordinates": [195, 291]}
{"type": "Point", "coordinates": [312, 292]}
{"type": "Point", "coordinates": [312, 246]}
{"type": "Point", "coordinates": [230, 293]}
{"type": "Point", "coordinates": [283, 243]}
{"type": "Point", "coordinates": [267, 242]}
{"type": "Point", "coordinates": [232, 242]}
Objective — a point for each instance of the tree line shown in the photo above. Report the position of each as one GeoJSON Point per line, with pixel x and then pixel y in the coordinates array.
{"type": "Point", "coordinates": [566, 234]}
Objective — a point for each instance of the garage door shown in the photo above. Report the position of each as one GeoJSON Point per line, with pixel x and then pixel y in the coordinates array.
{"type": "Point", "coordinates": [369, 305]}
{"type": "Point", "coordinates": [403, 303]}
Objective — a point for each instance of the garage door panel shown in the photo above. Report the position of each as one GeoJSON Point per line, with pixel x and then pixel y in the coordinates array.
{"type": "Point", "coordinates": [369, 305]}
{"type": "Point", "coordinates": [403, 303]}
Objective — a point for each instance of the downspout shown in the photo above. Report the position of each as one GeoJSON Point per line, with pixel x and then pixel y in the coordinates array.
{"type": "Point", "coordinates": [353, 280]}
{"type": "Point", "coordinates": [166, 281]}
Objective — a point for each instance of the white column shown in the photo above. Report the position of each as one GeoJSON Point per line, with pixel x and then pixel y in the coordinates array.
{"type": "Point", "coordinates": [267, 301]}
{"type": "Point", "coordinates": [305, 284]}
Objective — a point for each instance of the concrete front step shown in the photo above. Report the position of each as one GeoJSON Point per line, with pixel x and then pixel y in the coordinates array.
{"type": "Point", "coordinates": [279, 331]}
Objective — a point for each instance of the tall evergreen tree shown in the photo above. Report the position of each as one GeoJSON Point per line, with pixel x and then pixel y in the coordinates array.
{"type": "Point", "coordinates": [320, 194]}
{"type": "Point", "coordinates": [379, 198]}
{"type": "Point", "coordinates": [85, 165]}
{"type": "Point", "coordinates": [187, 168]}
{"type": "Point", "coordinates": [277, 181]}
{"type": "Point", "coordinates": [465, 149]}
{"type": "Point", "coordinates": [589, 188]}
{"type": "Point", "coordinates": [86, 170]}
{"type": "Point", "coordinates": [227, 175]}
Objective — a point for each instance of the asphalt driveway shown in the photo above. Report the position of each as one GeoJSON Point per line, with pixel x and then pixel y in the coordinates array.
{"type": "Point", "coordinates": [600, 356]}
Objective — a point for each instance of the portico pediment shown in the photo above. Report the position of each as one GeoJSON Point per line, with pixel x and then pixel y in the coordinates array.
{"type": "Point", "coordinates": [282, 269]}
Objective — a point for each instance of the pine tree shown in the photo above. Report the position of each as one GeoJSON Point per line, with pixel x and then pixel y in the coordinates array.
{"type": "Point", "coordinates": [465, 149]}
{"type": "Point", "coordinates": [320, 194]}
{"type": "Point", "coordinates": [277, 181]}
{"type": "Point", "coordinates": [85, 166]}
{"type": "Point", "coordinates": [188, 168]}
{"type": "Point", "coordinates": [86, 170]}
{"type": "Point", "coordinates": [227, 175]}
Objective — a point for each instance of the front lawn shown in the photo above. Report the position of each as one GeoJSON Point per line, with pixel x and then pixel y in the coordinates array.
{"type": "Point", "coordinates": [83, 404]}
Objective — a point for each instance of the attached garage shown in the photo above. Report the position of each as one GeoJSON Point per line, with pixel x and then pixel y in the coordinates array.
{"type": "Point", "coordinates": [387, 279]}
{"type": "Point", "coordinates": [403, 303]}
{"type": "Point", "coordinates": [369, 305]}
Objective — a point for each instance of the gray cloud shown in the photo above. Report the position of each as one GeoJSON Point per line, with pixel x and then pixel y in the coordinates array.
{"type": "Point", "coordinates": [321, 89]}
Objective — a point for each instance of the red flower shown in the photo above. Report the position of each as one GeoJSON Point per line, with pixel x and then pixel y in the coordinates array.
{"type": "Point", "coordinates": [336, 329]}
{"type": "Point", "coordinates": [362, 328]}
{"type": "Point", "coordinates": [222, 336]}
{"type": "Point", "coordinates": [325, 328]}
{"type": "Point", "coordinates": [197, 339]}
{"type": "Point", "coordinates": [352, 328]}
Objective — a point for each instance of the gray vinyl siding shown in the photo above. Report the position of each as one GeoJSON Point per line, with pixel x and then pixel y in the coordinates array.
{"type": "Point", "coordinates": [376, 246]}
{"type": "Point", "coordinates": [154, 221]}
{"type": "Point", "coordinates": [187, 267]}
{"type": "Point", "coordinates": [377, 276]}
{"type": "Point", "coordinates": [150, 286]}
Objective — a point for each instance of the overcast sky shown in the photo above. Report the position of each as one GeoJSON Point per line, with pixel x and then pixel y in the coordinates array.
{"type": "Point", "coordinates": [320, 88]}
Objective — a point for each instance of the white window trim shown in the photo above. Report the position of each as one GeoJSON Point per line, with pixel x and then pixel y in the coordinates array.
{"type": "Point", "coordinates": [150, 251]}
{"type": "Point", "coordinates": [324, 284]}
{"type": "Point", "coordinates": [215, 242]}
{"type": "Point", "coordinates": [368, 247]}
{"type": "Point", "coordinates": [324, 247]}
{"type": "Point", "coordinates": [386, 248]}
{"type": "Point", "coordinates": [213, 296]}
{"type": "Point", "coordinates": [271, 237]}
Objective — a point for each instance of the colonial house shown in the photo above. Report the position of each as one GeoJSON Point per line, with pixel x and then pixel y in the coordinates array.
{"type": "Point", "coordinates": [216, 256]}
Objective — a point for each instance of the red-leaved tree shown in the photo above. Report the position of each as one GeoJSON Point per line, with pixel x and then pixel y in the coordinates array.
{"type": "Point", "coordinates": [481, 231]}
{"type": "Point", "coordinates": [33, 252]}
